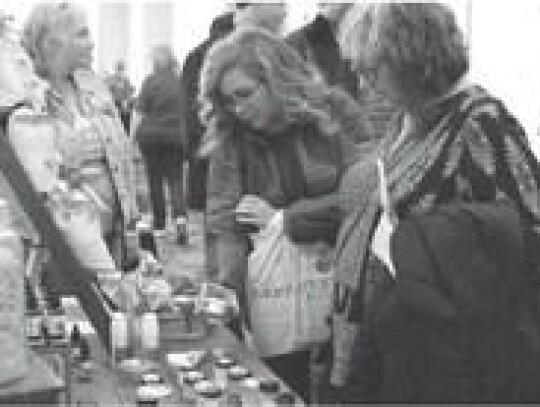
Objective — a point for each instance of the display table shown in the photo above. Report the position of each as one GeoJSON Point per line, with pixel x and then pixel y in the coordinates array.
{"type": "Point", "coordinates": [40, 386]}
{"type": "Point", "coordinates": [108, 385]}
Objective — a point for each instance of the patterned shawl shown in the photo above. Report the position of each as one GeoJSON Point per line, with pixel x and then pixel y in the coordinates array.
{"type": "Point", "coordinates": [428, 167]}
{"type": "Point", "coordinates": [96, 103]}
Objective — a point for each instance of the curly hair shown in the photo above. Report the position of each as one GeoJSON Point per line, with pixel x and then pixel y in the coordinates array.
{"type": "Point", "coordinates": [302, 92]}
{"type": "Point", "coordinates": [421, 43]}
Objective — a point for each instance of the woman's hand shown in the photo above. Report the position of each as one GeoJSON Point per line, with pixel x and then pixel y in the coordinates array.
{"type": "Point", "coordinates": [253, 210]}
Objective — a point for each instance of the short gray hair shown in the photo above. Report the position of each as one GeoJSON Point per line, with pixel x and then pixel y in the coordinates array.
{"type": "Point", "coordinates": [421, 42]}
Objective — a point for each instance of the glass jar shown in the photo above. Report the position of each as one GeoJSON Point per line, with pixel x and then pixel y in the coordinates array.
{"type": "Point", "coordinates": [119, 337]}
{"type": "Point", "coordinates": [221, 367]}
{"type": "Point", "coordinates": [34, 319]}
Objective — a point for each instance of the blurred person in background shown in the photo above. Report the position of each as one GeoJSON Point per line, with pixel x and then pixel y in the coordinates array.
{"type": "Point", "coordinates": [161, 134]}
{"type": "Point", "coordinates": [96, 153]}
{"type": "Point", "coordinates": [220, 27]}
{"type": "Point", "coordinates": [270, 16]}
{"type": "Point", "coordinates": [278, 139]}
{"type": "Point", "coordinates": [317, 43]}
{"type": "Point", "coordinates": [430, 306]}
{"type": "Point", "coordinates": [198, 166]}
{"type": "Point", "coordinates": [122, 92]}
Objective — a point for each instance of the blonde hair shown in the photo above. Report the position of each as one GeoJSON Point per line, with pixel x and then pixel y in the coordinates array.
{"type": "Point", "coordinates": [301, 90]}
{"type": "Point", "coordinates": [421, 43]}
{"type": "Point", "coordinates": [45, 18]}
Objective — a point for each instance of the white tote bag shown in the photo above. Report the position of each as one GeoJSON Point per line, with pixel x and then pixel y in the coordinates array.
{"type": "Point", "coordinates": [289, 292]}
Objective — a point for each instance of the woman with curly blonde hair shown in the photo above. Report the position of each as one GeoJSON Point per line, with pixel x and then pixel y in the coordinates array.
{"type": "Point", "coordinates": [414, 320]}
{"type": "Point", "coordinates": [278, 139]}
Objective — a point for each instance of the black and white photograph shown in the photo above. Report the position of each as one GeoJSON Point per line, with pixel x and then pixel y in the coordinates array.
{"type": "Point", "coordinates": [231, 204]}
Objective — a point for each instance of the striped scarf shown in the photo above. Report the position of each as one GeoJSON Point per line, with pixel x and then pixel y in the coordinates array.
{"type": "Point", "coordinates": [415, 165]}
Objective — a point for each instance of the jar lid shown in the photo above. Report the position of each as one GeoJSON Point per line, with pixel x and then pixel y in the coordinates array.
{"type": "Point", "coordinates": [224, 362]}
{"type": "Point", "coordinates": [193, 376]}
{"type": "Point", "coordinates": [251, 383]}
{"type": "Point", "coordinates": [208, 389]}
{"type": "Point", "coordinates": [238, 372]}
{"type": "Point", "coordinates": [153, 391]}
{"type": "Point", "coordinates": [148, 378]}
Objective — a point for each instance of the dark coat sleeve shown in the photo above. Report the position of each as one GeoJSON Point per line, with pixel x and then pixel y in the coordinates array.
{"type": "Point", "coordinates": [311, 220]}
{"type": "Point", "coordinates": [144, 100]}
{"type": "Point", "coordinates": [223, 194]}
{"type": "Point", "coordinates": [319, 218]}
{"type": "Point", "coordinates": [190, 78]}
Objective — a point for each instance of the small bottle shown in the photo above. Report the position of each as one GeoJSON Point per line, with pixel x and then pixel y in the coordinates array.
{"type": "Point", "coordinates": [33, 316]}
{"type": "Point", "coordinates": [75, 342]}
{"type": "Point", "coordinates": [181, 231]}
{"type": "Point", "coordinates": [268, 388]}
{"type": "Point", "coordinates": [34, 319]}
{"type": "Point", "coordinates": [221, 367]}
{"type": "Point", "coordinates": [85, 349]}
{"type": "Point", "coordinates": [145, 397]}
{"type": "Point", "coordinates": [147, 240]}
{"type": "Point", "coordinates": [251, 396]}
{"type": "Point", "coordinates": [119, 337]}
{"type": "Point", "coordinates": [149, 334]}
{"type": "Point", "coordinates": [56, 319]}
{"type": "Point", "coordinates": [209, 394]}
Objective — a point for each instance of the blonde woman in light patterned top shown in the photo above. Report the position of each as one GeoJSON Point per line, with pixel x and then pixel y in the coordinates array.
{"type": "Point", "coordinates": [94, 150]}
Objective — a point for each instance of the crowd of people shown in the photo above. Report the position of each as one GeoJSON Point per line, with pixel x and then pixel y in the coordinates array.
{"type": "Point", "coordinates": [431, 230]}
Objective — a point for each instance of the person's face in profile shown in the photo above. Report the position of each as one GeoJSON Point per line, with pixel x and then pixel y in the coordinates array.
{"type": "Point", "coordinates": [70, 45]}
{"type": "Point", "coordinates": [249, 100]}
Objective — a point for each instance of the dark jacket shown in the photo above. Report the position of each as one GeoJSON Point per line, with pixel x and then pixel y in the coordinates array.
{"type": "Point", "coordinates": [316, 43]}
{"type": "Point", "coordinates": [161, 101]}
{"type": "Point", "coordinates": [297, 171]}
{"type": "Point", "coordinates": [221, 26]}
{"type": "Point", "coordinates": [457, 326]}
{"type": "Point", "coordinates": [478, 153]}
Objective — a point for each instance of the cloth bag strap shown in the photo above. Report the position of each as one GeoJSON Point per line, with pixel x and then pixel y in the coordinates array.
{"type": "Point", "coordinates": [65, 269]}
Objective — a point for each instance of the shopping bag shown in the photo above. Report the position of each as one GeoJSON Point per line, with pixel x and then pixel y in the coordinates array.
{"type": "Point", "coordinates": [289, 292]}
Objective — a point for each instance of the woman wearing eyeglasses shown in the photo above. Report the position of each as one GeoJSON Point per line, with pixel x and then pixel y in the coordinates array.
{"type": "Point", "coordinates": [278, 139]}
{"type": "Point", "coordinates": [429, 299]}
